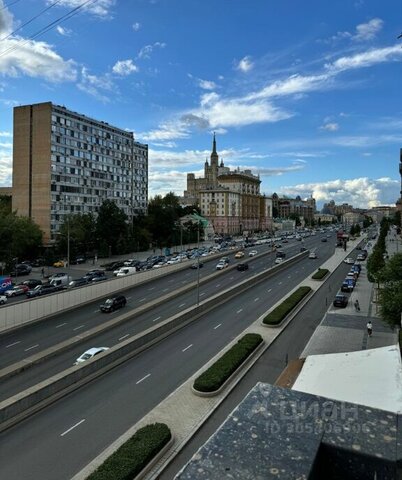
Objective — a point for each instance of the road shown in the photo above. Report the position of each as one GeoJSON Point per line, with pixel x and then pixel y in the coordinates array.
{"type": "Point", "coordinates": [60, 440]}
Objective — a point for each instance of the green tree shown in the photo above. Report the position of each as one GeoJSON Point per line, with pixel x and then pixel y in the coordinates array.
{"type": "Point", "coordinates": [111, 225]}
{"type": "Point", "coordinates": [82, 229]}
{"type": "Point", "coordinates": [391, 293]}
{"type": "Point", "coordinates": [5, 205]}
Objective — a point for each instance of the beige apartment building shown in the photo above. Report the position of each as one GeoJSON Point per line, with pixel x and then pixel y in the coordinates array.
{"type": "Point", "coordinates": [67, 163]}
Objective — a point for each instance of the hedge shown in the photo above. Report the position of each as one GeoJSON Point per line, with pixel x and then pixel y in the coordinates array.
{"type": "Point", "coordinates": [281, 311]}
{"type": "Point", "coordinates": [320, 273]}
{"type": "Point", "coordinates": [216, 375]}
{"type": "Point", "coordinates": [128, 461]}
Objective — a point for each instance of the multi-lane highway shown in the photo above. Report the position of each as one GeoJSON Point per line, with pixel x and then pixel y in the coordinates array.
{"type": "Point", "coordinates": [60, 440]}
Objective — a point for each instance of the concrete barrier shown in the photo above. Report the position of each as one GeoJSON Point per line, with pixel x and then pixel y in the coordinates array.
{"type": "Point", "coordinates": [25, 403]}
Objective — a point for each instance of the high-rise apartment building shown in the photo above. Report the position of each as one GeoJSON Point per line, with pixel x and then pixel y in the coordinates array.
{"type": "Point", "coordinates": [67, 163]}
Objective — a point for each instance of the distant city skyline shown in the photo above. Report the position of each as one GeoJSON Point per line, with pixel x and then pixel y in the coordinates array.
{"type": "Point", "coordinates": [306, 96]}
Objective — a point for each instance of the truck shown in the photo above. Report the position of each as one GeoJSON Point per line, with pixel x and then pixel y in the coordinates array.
{"type": "Point", "coordinates": [341, 238]}
{"type": "Point", "coordinates": [5, 283]}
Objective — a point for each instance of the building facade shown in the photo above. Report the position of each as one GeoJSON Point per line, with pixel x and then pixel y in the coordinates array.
{"type": "Point", "coordinates": [67, 163]}
{"type": "Point", "coordinates": [284, 207]}
{"type": "Point", "coordinates": [229, 199]}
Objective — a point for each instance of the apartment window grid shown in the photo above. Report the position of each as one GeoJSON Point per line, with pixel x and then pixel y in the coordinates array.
{"type": "Point", "coordinates": [92, 162]}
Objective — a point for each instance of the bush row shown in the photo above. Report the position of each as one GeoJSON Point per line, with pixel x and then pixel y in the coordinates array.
{"type": "Point", "coordinates": [216, 375]}
{"type": "Point", "coordinates": [128, 461]}
{"type": "Point", "coordinates": [320, 273]}
{"type": "Point", "coordinates": [281, 311]}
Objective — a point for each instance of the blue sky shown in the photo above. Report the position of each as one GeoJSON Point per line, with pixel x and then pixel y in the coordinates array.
{"type": "Point", "coordinates": [306, 94]}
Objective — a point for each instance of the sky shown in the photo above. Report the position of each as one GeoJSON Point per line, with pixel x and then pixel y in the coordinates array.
{"type": "Point", "coordinates": [305, 94]}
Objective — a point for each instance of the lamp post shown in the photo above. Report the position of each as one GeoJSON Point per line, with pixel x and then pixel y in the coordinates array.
{"type": "Point", "coordinates": [198, 263]}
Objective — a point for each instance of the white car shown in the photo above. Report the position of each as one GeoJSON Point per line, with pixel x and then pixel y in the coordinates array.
{"type": "Point", "coordinates": [3, 299]}
{"type": "Point", "coordinates": [89, 354]}
{"type": "Point", "coordinates": [221, 265]}
{"type": "Point", "coordinates": [349, 260]}
{"type": "Point", "coordinates": [278, 260]}
{"type": "Point", "coordinates": [253, 253]}
{"type": "Point", "coordinates": [312, 255]}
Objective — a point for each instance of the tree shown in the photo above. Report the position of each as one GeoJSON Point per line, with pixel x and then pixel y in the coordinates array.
{"type": "Point", "coordinates": [111, 225]}
{"type": "Point", "coordinates": [82, 234]}
{"type": "Point", "coordinates": [391, 293]}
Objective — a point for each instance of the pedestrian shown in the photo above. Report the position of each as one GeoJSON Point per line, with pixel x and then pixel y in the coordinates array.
{"type": "Point", "coordinates": [357, 305]}
{"type": "Point", "coordinates": [369, 328]}
{"type": "Point", "coordinates": [43, 272]}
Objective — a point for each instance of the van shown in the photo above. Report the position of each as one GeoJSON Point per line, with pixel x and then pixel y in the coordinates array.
{"type": "Point", "coordinates": [60, 280]}
{"type": "Point", "coordinates": [123, 272]}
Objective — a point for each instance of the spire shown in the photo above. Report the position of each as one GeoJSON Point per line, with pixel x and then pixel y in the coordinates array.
{"type": "Point", "coordinates": [214, 145]}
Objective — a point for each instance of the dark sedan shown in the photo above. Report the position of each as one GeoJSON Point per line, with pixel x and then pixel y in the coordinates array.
{"type": "Point", "coordinates": [42, 290]}
{"type": "Point", "coordinates": [341, 301]}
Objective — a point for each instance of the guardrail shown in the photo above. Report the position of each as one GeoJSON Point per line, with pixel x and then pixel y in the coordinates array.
{"type": "Point", "coordinates": [37, 397]}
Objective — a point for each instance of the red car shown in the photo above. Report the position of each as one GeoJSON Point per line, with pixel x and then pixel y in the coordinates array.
{"type": "Point", "coordinates": [16, 290]}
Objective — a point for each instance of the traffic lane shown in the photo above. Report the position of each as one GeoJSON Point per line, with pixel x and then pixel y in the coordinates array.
{"type": "Point", "coordinates": [124, 395]}
{"type": "Point", "coordinates": [65, 359]}
{"type": "Point", "coordinates": [17, 345]}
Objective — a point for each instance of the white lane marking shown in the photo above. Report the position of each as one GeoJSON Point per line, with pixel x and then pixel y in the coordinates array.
{"type": "Point", "coordinates": [124, 336]}
{"type": "Point", "coordinates": [181, 305]}
{"type": "Point", "coordinates": [62, 324]}
{"type": "Point", "coordinates": [231, 278]}
{"type": "Point", "coordinates": [129, 298]}
{"type": "Point", "coordinates": [256, 299]}
{"type": "Point", "coordinates": [202, 293]}
{"type": "Point", "coordinates": [156, 319]}
{"type": "Point", "coordinates": [289, 276]}
{"type": "Point", "coordinates": [187, 347]}
{"type": "Point", "coordinates": [143, 378]}
{"type": "Point", "coordinates": [77, 328]}
{"type": "Point", "coordinates": [217, 326]}
{"type": "Point", "coordinates": [96, 311]}
{"type": "Point", "coordinates": [152, 288]}
{"type": "Point", "coordinates": [270, 290]}
{"type": "Point", "coordinates": [142, 299]}
{"type": "Point", "coordinates": [12, 344]}
{"type": "Point", "coordinates": [280, 283]}
{"type": "Point", "coordinates": [166, 289]}
{"type": "Point", "coordinates": [71, 428]}
{"type": "Point", "coordinates": [185, 281]}
{"type": "Point", "coordinates": [30, 348]}
{"type": "Point", "coordinates": [170, 281]}
{"type": "Point", "coordinates": [218, 285]}
{"type": "Point", "coordinates": [238, 311]}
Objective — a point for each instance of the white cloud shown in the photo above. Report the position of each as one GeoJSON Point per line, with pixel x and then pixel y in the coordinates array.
{"type": "Point", "coordinates": [166, 131]}
{"type": "Point", "coordinates": [163, 182]}
{"type": "Point", "coordinates": [147, 50]}
{"type": "Point", "coordinates": [207, 84]}
{"type": "Point", "coordinates": [360, 192]}
{"type": "Point", "coordinates": [93, 85]}
{"type": "Point", "coordinates": [245, 64]}
{"type": "Point", "coordinates": [136, 26]}
{"type": "Point", "coordinates": [65, 32]}
{"type": "Point", "coordinates": [6, 145]}
{"type": "Point", "coordinates": [100, 8]}
{"type": "Point", "coordinates": [6, 134]}
{"type": "Point", "coordinates": [124, 67]}
{"type": "Point", "coordinates": [5, 169]}
{"type": "Point", "coordinates": [368, 31]}
{"type": "Point", "coordinates": [330, 127]}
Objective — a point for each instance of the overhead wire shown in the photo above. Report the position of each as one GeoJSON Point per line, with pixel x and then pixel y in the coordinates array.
{"type": "Point", "coordinates": [48, 27]}
{"type": "Point", "coordinates": [9, 4]}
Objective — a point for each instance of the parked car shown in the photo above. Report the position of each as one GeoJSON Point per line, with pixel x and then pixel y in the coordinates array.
{"type": "Point", "coordinates": [239, 254]}
{"type": "Point", "coordinates": [242, 267]}
{"type": "Point", "coordinates": [280, 254]}
{"type": "Point", "coordinates": [59, 264]}
{"type": "Point", "coordinates": [195, 265]}
{"type": "Point", "coordinates": [109, 267]}
{"type": "Point", "coordinates": [42, 290]}
{"type": "Point", "coordinates": [361, 257]}
{"type": "Point", "coordinates": [16, 290]}
{"type": "Point", "coordinates": [113, 303]}
{"type": "Point", "coordinates": [89, 354]}
{"type": "Point", "coordinates": [349, 260]}
{"type": "Point", "coordinates": [94, 273]}
{"type": "Point", "coordinates": [253, 253]}
{"type": "Point", "coordinates": [278, 260]}
{"type": "Point", "coordinates": [78, 282]}
{"type": "Point", "coordinates": [78, 260]}
{"type": "Point", "coordinates": [340, 301]}
{"type": "Point", "coordinates": [312, 255]}
{"type": "Point", "coordinates": [31, 283]}
{"type": "Point", "coordinates": [348, 285]}
{"type": "Point", "coordinates": [22, 269]}
{"type": "Point", "coordinates": [221, 265]}
{"type": "Point", "coordinates": [3, 299]}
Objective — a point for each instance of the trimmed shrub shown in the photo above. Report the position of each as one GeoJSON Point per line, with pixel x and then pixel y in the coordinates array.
{"type": "Point", "coordinates": [217, 374]}
{"type": "Point", "coordinates": [282, 310]}
{"type": "Point", "coordinates": [320, 274]}
{"type": "Point", "coordinates": [128, 461]}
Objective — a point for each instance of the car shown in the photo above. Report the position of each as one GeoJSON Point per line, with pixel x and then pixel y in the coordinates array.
{"type": "Point", "coordinates": [22, 269]}
{"type": "Point", "coordinates": [312, 255]}
{"type": "Point", "coordinates": [280, 254]}
{"type": "Point", "coordinates": [196, 265]}
{"type": "Point", "coordinates": [123, 272]}
{"type": "Point", "coordinates": [3, 299]}
{"type": "Point", "coordinates": [277, 245]}
{"type": "Point", "coordinates": [59, 264]}
{"type": "Point", "coordinates": [113, 303]}
{"type": "Point", "coordinates": [78, 260]}
{"type": "Point", "coordinates": [324, 239]}
{"type": "Point", "coordinates": [224, 259]}
{"type": "Point", "coordinates": [361, 257]}
{"type": "Point", "coordinates": [340, 301]}
{"type": "Point", "coordinates": [278, 260]}
{"type": "Point", "coordinates": [239, 254]}
{"type": "Point", "coordinates": [42, 290]}
{"type": "Point", "coordinates": [109, 267]}
{"type": "Point", "coordinates": [89, 354]}
{"type": "Point", "coordinates": [221, 265]}
{"type": "Point", "coordinates": [31, 283]}
{"type": "Point", "coordinates": [285, 240]}
{"type": "Point", "coordinates": [253, 253]}
{"type": "Point", "coordinates": [93, 274]}
{"type": "Point", "coordinates": [61, 279]}
{"type": "Point", "coordinates": [348, 285]}
{"type": "Point", "coordinates": [99, 278]}
{"type": "Point", "coordinates": [303, 249]}
{"type": "Point", "coordinates": [242, 267]}
{"type": "Point", "coordinates": [349, 261]}
{"type": "Point", "coordinates": [78, 282]}
{"type": "Point", "coordinates": [16, 290]}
